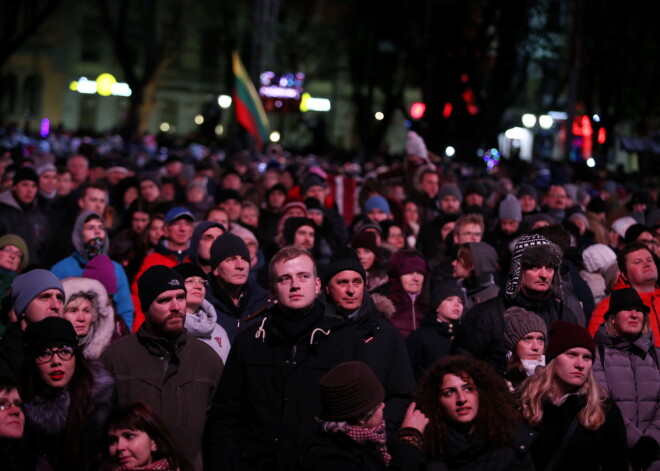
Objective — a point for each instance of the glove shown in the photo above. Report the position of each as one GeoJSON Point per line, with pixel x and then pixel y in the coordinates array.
{"type": "Point", "coordinates": [644, 452]}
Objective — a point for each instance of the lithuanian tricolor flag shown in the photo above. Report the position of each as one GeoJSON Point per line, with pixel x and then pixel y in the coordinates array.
{"type": "Point", "coordinates": [249, 110]}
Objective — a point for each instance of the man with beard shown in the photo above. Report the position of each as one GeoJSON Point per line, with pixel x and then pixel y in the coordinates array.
{"type": "Point", "coordinates": [163, 366]}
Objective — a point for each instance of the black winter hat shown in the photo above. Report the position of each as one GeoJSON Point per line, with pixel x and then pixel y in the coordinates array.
{"type": "Point", "coordinates": [187, 270]}
{"type": "Point", "coordinates": [156, 280]}
{"type": "Point", "coordinates": [345, 258]}
{"type": "Point", "coordinates": [291, 225]}
{"type": "Point", "coordinates": [25, 173]}
{"type": "Point", "coordinates": [444, 291]}
{"type": "Point", "coordinates": [634, 231]}
{"type": "Point", "coordinates": [51, 329]}
{"type": "Point", "coordinates": [625, 299]}
{"type": "Point", "coordinates": [228, 245]}
{"type": "Point", "coordinates": [349, 391]}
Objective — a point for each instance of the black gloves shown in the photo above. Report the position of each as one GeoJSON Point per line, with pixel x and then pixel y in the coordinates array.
{"type": "Point", "coordinates": [644, 452]}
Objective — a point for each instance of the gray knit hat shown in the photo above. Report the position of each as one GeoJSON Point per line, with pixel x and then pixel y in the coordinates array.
{"type": "Point", "coordinates": [510, 208]}
{"type": "Point", "coordinates": [519, 322]}
{"type": "Point", "coordinates": [29, 285]}
{"type": "Point", "coordinates": [533, 250]}
{"type": "Point", "coordinates": [450, 190]}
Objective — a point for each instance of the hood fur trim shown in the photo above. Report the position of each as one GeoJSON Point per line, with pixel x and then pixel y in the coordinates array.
{"type": "Point", "coordinates": [384, 305]}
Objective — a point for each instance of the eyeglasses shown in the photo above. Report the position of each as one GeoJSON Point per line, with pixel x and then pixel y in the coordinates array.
{"type": "Point", "coordinates": [6, 404]}
{"type": "Point", "coordinates": [649, 242]}
{"type": "Point", "coordinates": [196, 281]}
{"type": "Point", "coordinates": [12, 251]}
{"type": "Point", "coordinates": [65, 354]}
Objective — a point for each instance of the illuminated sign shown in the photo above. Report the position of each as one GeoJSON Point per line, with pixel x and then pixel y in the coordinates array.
{"type": "Point", "coordinates": [104, 85]}
{"type": "Point", "coordinates": [281, 93]}
{"type": "Point", "coordinates": [309, 103]}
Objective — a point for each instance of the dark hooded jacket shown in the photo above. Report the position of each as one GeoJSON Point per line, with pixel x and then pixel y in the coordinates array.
{"type": "Point", "coordinates": [269, 393]}
{"type": "Point", "coordinates": [428, 344]}
{"type": "Point", "coordinates": [28, 222]}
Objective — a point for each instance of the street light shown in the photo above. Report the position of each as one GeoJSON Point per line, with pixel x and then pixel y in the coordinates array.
{"type": "Point", "coordinates": [545, 121]}
{"type": "Point", "coordinates": [529, 120]}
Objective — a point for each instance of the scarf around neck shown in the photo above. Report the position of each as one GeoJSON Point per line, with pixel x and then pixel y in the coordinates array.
{"type": "Point", "coordinates": [374, 435]}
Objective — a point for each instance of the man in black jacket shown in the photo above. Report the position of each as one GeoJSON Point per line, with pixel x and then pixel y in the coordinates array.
{"type": "Point", "coordinates": [268, 396]}
{"type": "Point", "coordinates": [385, 349]}
{"type": "Point", "coordinates": [534, 283]}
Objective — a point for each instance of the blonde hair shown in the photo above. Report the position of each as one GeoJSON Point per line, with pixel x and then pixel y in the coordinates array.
{"type": "Point", "coordinates": [609, 324]}
{"type": "Point", "coordinates": [542, 384]}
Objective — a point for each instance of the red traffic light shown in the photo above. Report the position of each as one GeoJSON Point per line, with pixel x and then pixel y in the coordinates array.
{"type": "Point", "coordinates": [417, 110]}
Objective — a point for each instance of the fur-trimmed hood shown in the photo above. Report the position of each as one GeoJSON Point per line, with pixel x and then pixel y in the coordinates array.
{"type": "Point", "coordinates": [383, 305]}
{"type": "Point", "coordinates": [101, 330]}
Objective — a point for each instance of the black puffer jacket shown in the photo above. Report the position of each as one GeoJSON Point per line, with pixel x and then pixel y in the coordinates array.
{"type": "Point", "coordinates": [428, 344]}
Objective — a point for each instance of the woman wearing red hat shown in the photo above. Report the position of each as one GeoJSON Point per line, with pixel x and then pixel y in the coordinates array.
{"type": "Point", "coordinates": [578, 428]}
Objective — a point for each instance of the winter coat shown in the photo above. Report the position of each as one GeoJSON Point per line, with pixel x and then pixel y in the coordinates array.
{"type": "Point", "coordinates": [100, 332]}
{"type": "Point", "coordinates": [630, 374]}
{"type": "Point", "coordinates": [11, 351]}
{"type": "Point", "coordinates": [650, 299]}
{"type": "Point", "coordinates": [178, 378]}
{"type": "Point", "coordinates": [29, 223]}
{"type": "Point", "coordinates": [231, 317]}
{"type": "Point", "coordinates": [385, 353]}
{"type": "Point", "coordinates": [482, 327]}
{"type": "Point", "coordinates": [269, 393]}
{"type": "Point", "coordinates": [603, 449]}
{"type": "Point", "coordinates": [409, 310]}
{"type": "Point", "coordinates": [46, 419]}
{"type": "Point", "coordinates": [337, 451]}
{"type": "Point", "coordinates": [428, 344]}
{"type": "Point", "coordinates": [473, 453]}
{"type": "Point", "coordinates": [203, 326]}
{"type": "Point", "coordinates": [162, 256]}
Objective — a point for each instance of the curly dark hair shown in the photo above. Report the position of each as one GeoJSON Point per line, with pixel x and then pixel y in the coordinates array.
{"type": "Point", "coordinates": [497, 416]}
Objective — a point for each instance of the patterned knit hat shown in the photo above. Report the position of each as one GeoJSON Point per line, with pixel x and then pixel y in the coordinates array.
{"type": "Point", "coordinates": [533, 250]}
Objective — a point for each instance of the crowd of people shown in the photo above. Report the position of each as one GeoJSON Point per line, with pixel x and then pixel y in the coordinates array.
{"type": "Point", "coordinates": [186, 308]}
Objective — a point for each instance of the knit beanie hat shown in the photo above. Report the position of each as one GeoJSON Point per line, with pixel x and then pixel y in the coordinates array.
{"type": "Point", "coordinates": [16, 240]}
{"type": "Point", "coordinates": [475, 187]}
{"type": "Point", "coordinates": [625, 299]}
{"type": "Point", "coordinates": [377, 202]}
{"type": "Point", "coordinates": [188, 270]}
{"type": "Point", "coordinates": [156, 280]}
{"type": "Point", "coordinates": [277, 187]}
{"type": "Point", "coordinates": [342, 259]}
{"type": "Point", "coordinates": [366, 240]}
{"type": "Point", "coordinates": [25, 173]}
{"type": "Point", "coordinates": [415, 145]}
{"type": "Point", "coordinates": [310, 181]}
{"type": "Point", "coordinates": [597, 257]}
{"type": "Point", "coordinates": [442, 292]}
{"type": "Point", "coordinates": [533, 250]}
{"type": "Point", "coordinates": [313, 204]}
{"type": "Point", "coordinates": [519, 322]}
{"type": "Point", "coordinates": [291, 205]}
{"type": "Point", "coordinates": [621, 225]}
{"type": "Point", "coordinates": [581, 216]}
{"type": "Point", "coordinates": [527, 190]}
{"type": "Point", "coordinates": [406, 261]}
{"type": "Point", "coordinates": [29, 285]}
{"type": "Point", "coordinates": [101, 268]}
{"type": "Point", "coordinates": [225, 194]}
{"type": "Point", "coordinates": [291, 225]}
{"type": "Point", "coordinates": [597, 205]}
{"type": "Point", "coordinates": [228, 245]}
{"type": "Point", "coordinates": [349, 391]}
{"type": "Point", "coordinates": [450, 190]}
{"type": "Point", "coordinates": [44, 167]}
{"type": "Point", "coordinates": [510, 208]}
{"type": "Point", "coordinates": [51, 329]}
{"type": "Point", "coordinates": [634, 231]}
{"type": "Point", "coordinates": [244, 233]}
{"type": "Point", "coordinates": [566, 335]}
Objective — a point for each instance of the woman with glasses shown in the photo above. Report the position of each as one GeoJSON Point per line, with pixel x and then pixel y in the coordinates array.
{"type": "Point", "coordinates": [13, 449]}
{"type": "Point", "coordinates": [201, 318]}
{"type": "Point", "coordinates": [67, 397]}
